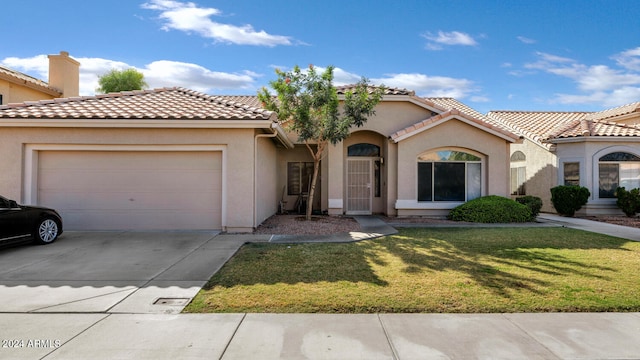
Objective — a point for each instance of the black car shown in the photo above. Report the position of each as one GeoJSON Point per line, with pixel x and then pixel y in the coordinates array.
{"type": "Point", "coordinates": [19, 223]}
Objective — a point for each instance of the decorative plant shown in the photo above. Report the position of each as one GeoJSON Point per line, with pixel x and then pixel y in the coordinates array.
{"type": "Point", "coordinates": [567, 199]}
{"type": "Point", "coordinates": [628, 201]}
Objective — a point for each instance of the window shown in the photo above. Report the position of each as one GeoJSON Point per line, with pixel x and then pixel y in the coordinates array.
{"type": "Point", "coordinates": [618, 169]}
{"type": "Point", "coordinates": [299, 177]}
{"type": "Point", "coordinates": [1, 103]}
{"type": "Point", "coordinates": [518, 173]}
{"type": "Point", "coordinates": [449, 175]}
{"type": "Point", "coordinates": [369, 150]}
{"type": "Point", "coordinates": [571, 173]}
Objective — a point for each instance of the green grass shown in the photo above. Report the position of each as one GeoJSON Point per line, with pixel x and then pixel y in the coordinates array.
{"type": "Point", "coordinates": [452, 270]}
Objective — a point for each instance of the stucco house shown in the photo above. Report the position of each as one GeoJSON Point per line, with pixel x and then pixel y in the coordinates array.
{"type": "Point", "coordinates": [177, 159]}
{"type": "Point", "coordinates": [64, 79]}
{"type": "Point", "coordinates": [597, 150]}
{"type": "Point", "coordinates": [174, 158]}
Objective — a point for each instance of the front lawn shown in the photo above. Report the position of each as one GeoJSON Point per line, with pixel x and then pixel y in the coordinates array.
{"type": "Point", "coordinates": [453, 270]}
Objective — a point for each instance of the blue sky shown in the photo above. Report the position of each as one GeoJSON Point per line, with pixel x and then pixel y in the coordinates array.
{"type": "Point", "coordinates": [492, 55]}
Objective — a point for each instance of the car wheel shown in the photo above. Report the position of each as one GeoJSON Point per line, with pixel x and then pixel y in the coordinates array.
{"type": "Point", "coordinates": [47, 231]}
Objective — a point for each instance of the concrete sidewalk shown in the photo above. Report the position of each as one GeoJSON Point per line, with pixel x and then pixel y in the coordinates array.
{"type": "Point", "coordinates": [624, 232]}
{"type": "Point", "coordinates": [321, 336]}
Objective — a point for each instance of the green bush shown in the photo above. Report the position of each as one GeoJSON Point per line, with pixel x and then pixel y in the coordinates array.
{"type": "Point", "coordinates": [491, 209]}
{"type": "Point", "coordinates": [567, 199]}
{"type": "Point", "coordinates": [534, 204]}
{"type": "Point", "coordinates": [628, 201]}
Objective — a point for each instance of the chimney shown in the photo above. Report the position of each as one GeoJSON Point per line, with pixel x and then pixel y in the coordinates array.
{"type": "Point", "coordinates": [64, 74]}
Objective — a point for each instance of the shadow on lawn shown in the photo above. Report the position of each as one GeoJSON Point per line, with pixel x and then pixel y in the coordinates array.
{"type": "Point", "coordinates": [499, 260]}
{"type": "Point", "coordinates": [490, 261]}
{"type": "Point", "coordinates": [296, 263]}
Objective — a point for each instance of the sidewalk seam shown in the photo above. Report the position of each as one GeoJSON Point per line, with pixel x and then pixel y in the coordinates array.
{"type": "Point", "coordinates": [75, 336]}
{"type": "Point", "coordinates": [232, 336]}
{"type": "Point", "coordinates": [529, 335]}
{"type": "Point", "coordinates": [394, 353]}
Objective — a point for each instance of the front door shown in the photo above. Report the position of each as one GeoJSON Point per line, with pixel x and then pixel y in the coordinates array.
{"type": "Point", "coordinates": [359, 185]}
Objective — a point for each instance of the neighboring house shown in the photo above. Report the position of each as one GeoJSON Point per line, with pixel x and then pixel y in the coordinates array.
{"type": "Point", "coordinates": [64, 75]}
{"type": "Point", "coordinates": [597, 150]}
{"type": "Point", "coordinates": [178, 159]}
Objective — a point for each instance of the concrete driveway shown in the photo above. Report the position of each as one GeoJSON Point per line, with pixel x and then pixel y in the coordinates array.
{"type": "Point", "coordinates": [112, 272]}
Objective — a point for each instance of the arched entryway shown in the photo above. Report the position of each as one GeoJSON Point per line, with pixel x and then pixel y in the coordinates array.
{"type": "Point", "coordinates": [364, 175]}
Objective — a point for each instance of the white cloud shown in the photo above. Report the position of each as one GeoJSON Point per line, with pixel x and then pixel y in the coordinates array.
{"type": "Point", "coordinates": [599, 84]}
{"type": "Point", "coordinates": [430, 86]}
{"type": "Point", "coordinates": [629, 59]}
{"type": "Point", "coordinates": [188, 17]}
{"type": "Point", "coordinates": [436, 41]}
{"type": "Point", "coordinates": [37, 66]}
{"type": "Point", "coordinates": [526, 40]}
{"type": "Point", "coordinates": [161, 73]}
{"type": "Point", "coordinates": [166, 73]}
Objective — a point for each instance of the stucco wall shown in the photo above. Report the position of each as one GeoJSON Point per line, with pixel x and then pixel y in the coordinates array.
{"type": "Point", "coordinates": [393, 116]}
{"type": "Point", "coordinates": [451, 134]}
{"type": "Point", "coordinates": [238, 144]}
{"type": "Point", "coordinates": [267, 193]}
{"type": "Point", "coordinates": [588, 153]}
{"type": "Point", "coordinates": [13, 93]}
{"type": "Point", "coordinates": [541, 172]}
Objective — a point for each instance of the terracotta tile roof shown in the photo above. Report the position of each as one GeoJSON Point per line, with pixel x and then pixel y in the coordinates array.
{"type": "Point", "coordinates": [18, 77]}
{"type": "Point", "coordinates": [425, 124]}
{"type": "Point", "coordinates": [451, 103]}
{"type": "Point", "coordinates": [614, 112]}
{"type": "Point", "coordinates": [163, 103]}
{"type": "Point", "coordinates": [583, 127]}
{"type": "Point", "coordinates": [249, 100]}
{"type": "Point", "coordinates": [535, 125]}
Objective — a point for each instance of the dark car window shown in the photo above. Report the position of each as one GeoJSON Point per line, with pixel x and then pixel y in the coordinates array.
{"type": "Point", "coordinates": [4, 204]}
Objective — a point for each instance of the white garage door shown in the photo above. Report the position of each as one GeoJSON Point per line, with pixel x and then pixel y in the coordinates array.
{"type": "Point", "coordinates": [132, 190]}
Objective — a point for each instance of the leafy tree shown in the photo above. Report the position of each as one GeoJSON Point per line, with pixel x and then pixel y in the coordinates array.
{"type": "Point", "coordinates": [307, 103]}
{"type": "Point", "coordinates": [125, 80]}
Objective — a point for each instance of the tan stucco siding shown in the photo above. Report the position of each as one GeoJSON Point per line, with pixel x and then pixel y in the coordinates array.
{"type": "Point", "coordinates": [541, 171]}
{"type": "Point", "coordinates": [267, 193]}
{"type": "Point", "coordinates": [588, 154]}
{"type": "Point", "coordinates": [454, 134]}
{"type": "Point", "coordinates": [238, 145]}
{"type": "Point", "coordinates": [13, 93]}
{"type": "Point", "coordinates": [393, 116]}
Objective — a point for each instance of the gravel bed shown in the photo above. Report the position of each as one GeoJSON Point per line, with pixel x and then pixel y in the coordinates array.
{"type": "Point", "coordinates": [297, 225]}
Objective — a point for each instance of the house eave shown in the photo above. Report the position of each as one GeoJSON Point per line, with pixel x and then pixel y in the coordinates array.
{"type": "Point", "coordinates": [31, 85]}
{"type": "Point", "coordinates": [137, 123]}
{"type": "Point", "coordinates": [580, 139]}
{"type": "Point", "coordinates": [460, 118]}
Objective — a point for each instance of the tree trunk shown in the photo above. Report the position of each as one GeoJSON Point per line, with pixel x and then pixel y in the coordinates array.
{"type": "Point", "coordinates": [312, 191]}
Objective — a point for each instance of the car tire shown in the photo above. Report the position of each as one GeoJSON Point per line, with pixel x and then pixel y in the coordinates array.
{"type": "Point", "coordinates": [47, 231]}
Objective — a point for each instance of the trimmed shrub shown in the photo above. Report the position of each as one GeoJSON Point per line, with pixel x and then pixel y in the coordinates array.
{"type": "Point", "coordinates": [628, 201]}
{"type": "Point", "coordinates": [491, 209]}
{"type": "Point", "coordinates": [534, 204]}
{"type": "Point", "coordinates": [567, 199]}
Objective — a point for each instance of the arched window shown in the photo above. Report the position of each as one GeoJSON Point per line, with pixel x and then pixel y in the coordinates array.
{"type": "Point", "coordinates": [518, 173]}
{"type": "Point", "coordinates": [449, 175]}
{"type": "Point", "coordinates": [363, 149]}
{"type": "Point", "coordinates": [618, 169]}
